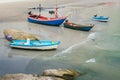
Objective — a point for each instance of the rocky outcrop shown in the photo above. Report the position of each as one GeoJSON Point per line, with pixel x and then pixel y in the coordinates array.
{"type": "Point", "coordinates": [49, 78]}
{"type": "Point", "coordinates": [62, 73]}
{"type": "Point", "coordinates": [49, 74]}
{"type": "Point", "coordinates": [18, 34]}
{"type": "Point", "coordinates": [21, 76]}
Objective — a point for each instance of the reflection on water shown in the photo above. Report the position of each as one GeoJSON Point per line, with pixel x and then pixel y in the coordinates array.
{"type": "Point", "coordinates": [97, 55]}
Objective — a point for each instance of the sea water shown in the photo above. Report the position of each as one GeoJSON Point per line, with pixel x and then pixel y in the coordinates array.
{"type": "Point", "coordinates": [97, 55]}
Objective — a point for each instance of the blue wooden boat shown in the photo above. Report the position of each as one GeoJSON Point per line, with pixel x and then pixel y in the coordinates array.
{"type": "Point", "coordinates": [41, 19]}
{"type": "Point", "coordinates": [45, 20]}
{"type": "Point", "coordinates": [34, 44]}
{"type": "Point", "coordinates": [100, 18]}
{"type": "Point", "coordinates": [86, 27]}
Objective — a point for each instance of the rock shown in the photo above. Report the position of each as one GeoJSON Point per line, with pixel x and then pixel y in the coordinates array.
{"type": "Point", "coordinates": [21, 76]}
{"type": "Point", "coordinates": [18, 34]}
{"type": "Point", "coordinates": [62, 73]}
{"type": "Point", "coordinates": [49, 78]}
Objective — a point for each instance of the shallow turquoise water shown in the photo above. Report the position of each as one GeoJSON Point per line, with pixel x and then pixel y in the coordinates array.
{"type": "Point", "coordinates": [99, 59]}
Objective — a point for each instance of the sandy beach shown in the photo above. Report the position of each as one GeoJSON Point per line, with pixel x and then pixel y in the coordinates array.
{"type": "Point", "coordinates": [14, 15]}
{"type": "Point", "coordinates": [19, 9]}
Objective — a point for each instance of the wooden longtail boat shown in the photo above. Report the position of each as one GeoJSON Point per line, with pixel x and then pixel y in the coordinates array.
{"type": "Point", "coordinates": [75, 26]}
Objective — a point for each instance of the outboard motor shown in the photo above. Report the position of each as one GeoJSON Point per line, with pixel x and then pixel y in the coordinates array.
{"type": "Point", "coordinates": [52, 12]}
{"type": "Point", "coordinates": [30, 13]}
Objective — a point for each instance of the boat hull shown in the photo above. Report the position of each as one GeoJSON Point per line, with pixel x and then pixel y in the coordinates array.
{"type": "Point", "coordinates": [54, 22]}
{"type": "Point", "coordinates": [33, 45]}
{"type": "Point", "coordinates": [101, 19]}
{"type": "Point", "coordinates": [79, 27]}
{"type": "Point", "coordinates": [36, 48]}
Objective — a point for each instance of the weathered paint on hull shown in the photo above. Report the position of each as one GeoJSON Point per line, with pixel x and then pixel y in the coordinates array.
{"type": "Point", "coordinates": [101, 19]}
{"type": "Point", "coordinates": [56, 22]}
{"type": "Point", "coordinates": [79, 28]}
{"type": "Point", "coordinates": [36, 48]}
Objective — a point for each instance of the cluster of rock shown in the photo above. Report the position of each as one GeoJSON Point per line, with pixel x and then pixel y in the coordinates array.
{"type": "Point", "coordinates": [49, 74]}
{"type": "Point", "coordinates": [18, 34]}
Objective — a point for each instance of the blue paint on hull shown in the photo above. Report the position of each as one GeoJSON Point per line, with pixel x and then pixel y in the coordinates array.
{"type": "Point", "coordinates": [101, 18]}
{"type": "Point", "coordinates": [80, 28]}
{"type": "Point", "coordinates": [56, 22]}
{"type": "Point", "coordinates": [83, 28]}
{"type": "Point", "coordinates": [34, 43]}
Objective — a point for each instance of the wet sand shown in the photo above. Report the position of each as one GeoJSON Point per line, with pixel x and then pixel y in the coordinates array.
{"type": "Point", "coordinates": [14, 15]}
{"type": "Point", "coordinates": [17, 11]}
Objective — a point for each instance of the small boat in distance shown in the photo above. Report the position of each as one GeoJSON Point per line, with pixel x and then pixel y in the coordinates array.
{"type": "Point", "coordinates": [40, 19]}
{"type": "Point", "coordinates": [100, 18]}
{"type": "Point", "coordinates": [85, 27]}
{"type": "Point", "coordinates": [34, 44]}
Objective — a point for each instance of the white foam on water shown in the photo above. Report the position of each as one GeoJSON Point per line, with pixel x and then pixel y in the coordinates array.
{"type": "Point", "coordinates": [91, 60]}
{"type": "Point", "coordinates": [69, 49]}
{"type": "Point", "coordinates": [92, 36]}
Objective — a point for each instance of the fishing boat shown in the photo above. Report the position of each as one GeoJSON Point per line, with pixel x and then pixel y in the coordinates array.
{"type": "Point", "coordinates": [100, 18]}
{"type": "Point", "coordinates": [41, 19]}
{"type": "Point", "coordinates": [85, 27]}
{"type": "Point", "coordinates": [34, 44]}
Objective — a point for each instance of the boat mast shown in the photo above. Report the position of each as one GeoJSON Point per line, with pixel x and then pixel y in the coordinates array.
{"type": "Point", "coordinates": [39, 8]}
{"type": "Point", "coordinates": [56, 12]}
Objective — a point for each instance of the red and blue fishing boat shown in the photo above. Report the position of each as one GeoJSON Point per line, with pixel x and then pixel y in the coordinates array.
{"type": "Point", "coordinates": [40, 19]}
